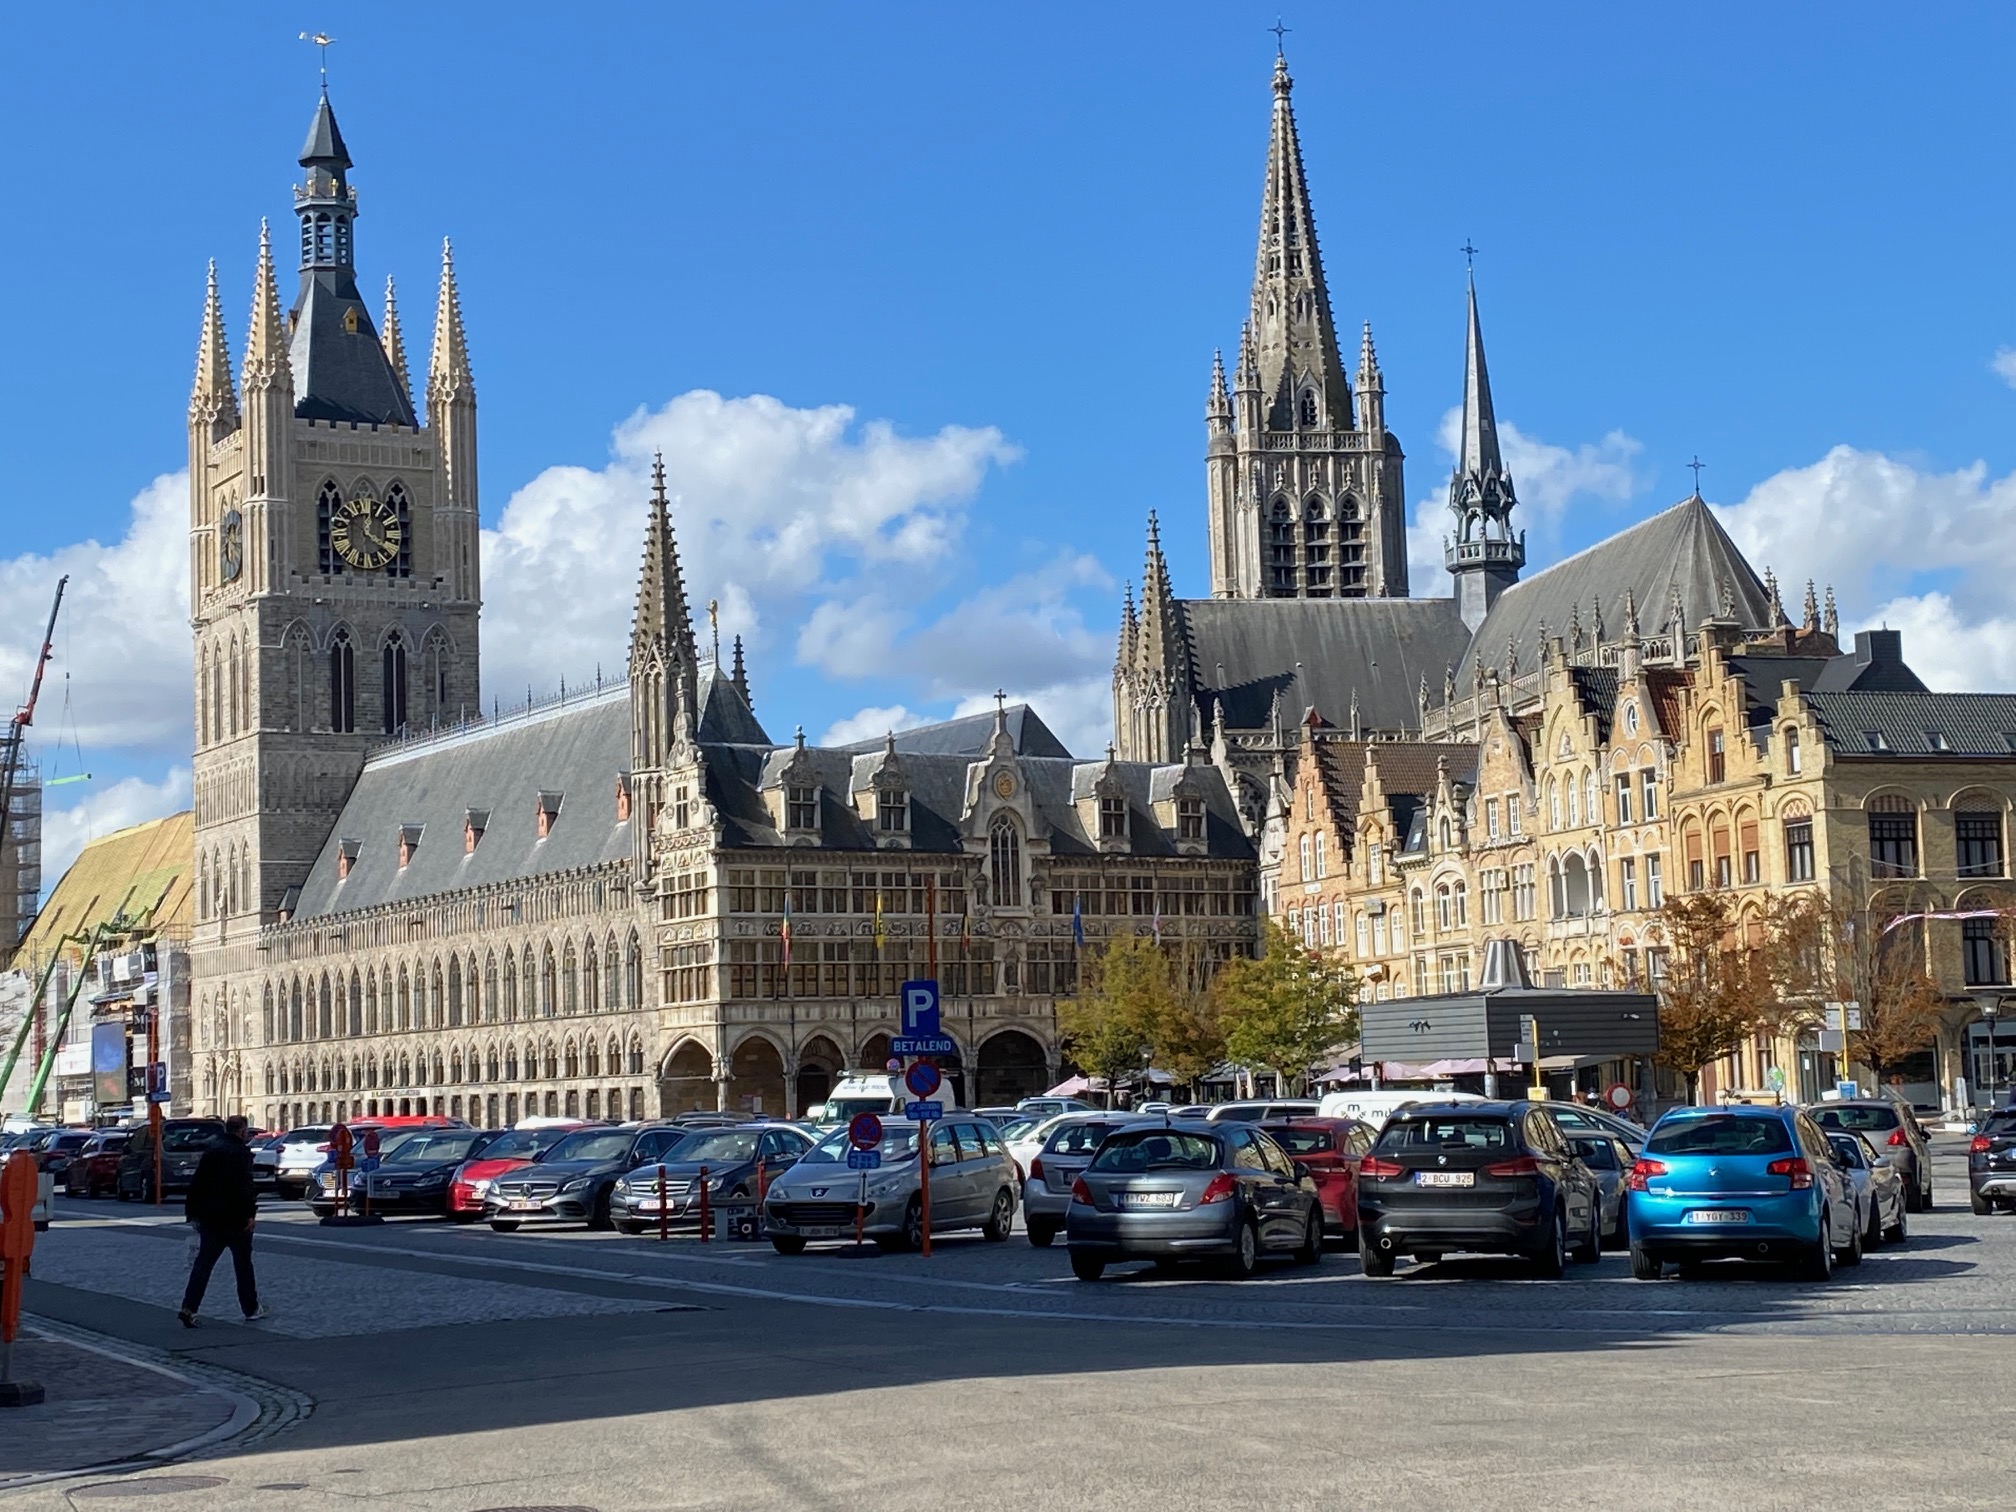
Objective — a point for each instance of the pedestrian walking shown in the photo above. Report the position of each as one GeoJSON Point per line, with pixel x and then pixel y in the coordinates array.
{"type": "Point", "coordinates": [222, 1204]}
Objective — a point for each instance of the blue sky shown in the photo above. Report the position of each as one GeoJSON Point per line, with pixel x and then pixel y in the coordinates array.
{"type": "Point", "coordinates": [1776, 236]}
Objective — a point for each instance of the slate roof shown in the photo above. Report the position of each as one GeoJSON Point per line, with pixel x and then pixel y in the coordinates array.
{"type": "Point", "coordinates": [341, 374]}
{"type": "Point", "coordinates": [970, 735]}
{"type": "Point", "coordinates": [575, 749]}
{"type": "Point", "coordinates": [1685, 545]}
{"type": "Point", "coordinates": [1970, 724]}
{"type": "Point", "coordinates": [725, 715]}
{"type": "Point", "coordinates": [1315, 653]}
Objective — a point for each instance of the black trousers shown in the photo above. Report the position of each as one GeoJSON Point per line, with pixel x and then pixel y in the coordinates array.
{"type": "Point", "coordinates": [213, 1242]}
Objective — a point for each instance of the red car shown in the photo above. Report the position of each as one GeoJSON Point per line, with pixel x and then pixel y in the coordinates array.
{"type": "Point", "coordinates": [94, 1170]}
{"type": "Point", "coordinates": [1331, 1148]}
{"type": "Point", "coordinates": [520, 1147]}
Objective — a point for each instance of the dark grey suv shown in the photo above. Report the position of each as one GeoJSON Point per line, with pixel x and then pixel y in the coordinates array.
{"type": "Point", "coordinates": [1895, 1134]}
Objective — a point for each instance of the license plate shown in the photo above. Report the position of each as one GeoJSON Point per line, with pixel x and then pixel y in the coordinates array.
{"type": "Point", "coordinates": [1718, 1215]}
{"type": "Point", "coordinates": [1148, 1199]}
{"type": "Point", "coordinates": [820, 1231]}
{"type": "Point", "coordinates": [1445, 1178]}
{"type": "Point", "coordinates": [524, 1205]}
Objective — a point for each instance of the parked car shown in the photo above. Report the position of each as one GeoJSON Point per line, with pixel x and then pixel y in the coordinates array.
{"type": "Point", "coordinates": [1331, 1148]}
{"type": "Point", "coordinates": [1038, 1106]}
{"type": "Point", "coordinates": [183, 1141]}
{"type": "Point", "coordinates": [1991, 1163]}
{"type": "Point", "coordinates": [729, 1157]}
{"type": "Point", "coordinates": [94, 1170]}
{"type": "Point", "coordinates": [1894, 1131]}
{"type": "Point", "coordinates": [1257, 1110]}
{"type": "Point", "coordinates": [519, 1147]}
{"type": "Point", "coordinates": [1609, 1159]}
{"type": "Point", "coordinates": [1046, 1189]}
{"type": "Point", "coordinates": [1877, 1188]}
{"type": "Point", "coordinates": [1577, 1118]}
{"type": "Point", "coordinates": [1739, 1182]}
{"type": "Point", "coordinates": [266, 1158]}
{"type": "Point", "coordinates": [1170, 1192]}
{"type": "Point", "coordinates": [1025, 1144]}
{"type": "Point", "coordinates": [296, 1158]}
{"type": "Point", "coordinates": [54, 1153]}
{"type": "Point", "coordinates": [973, 1185]}
{"type": "Point", "coordinates": [1491, 1176]}
{"type": "Point", "coordinates": [413, 1173]}
{"type": "Point", "coordinates": [572, 1182]}
{"type": "Point", "coordinates": [997, 1116]}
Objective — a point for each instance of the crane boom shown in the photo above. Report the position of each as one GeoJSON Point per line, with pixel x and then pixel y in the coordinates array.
{"type": "Point", "coordinates": [17, 729]}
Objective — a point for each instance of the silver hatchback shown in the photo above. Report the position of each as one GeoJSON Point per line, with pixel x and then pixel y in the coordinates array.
{"type": "Point", "coordinates": [973, 1183]}
{"type": "Point", "coordinates": [1046, 1193]}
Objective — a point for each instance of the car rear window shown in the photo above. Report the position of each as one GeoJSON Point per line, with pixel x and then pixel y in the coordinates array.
{"type": "Point", "coordinates": [1719, 1135]}
{"type": "Point", "coordinates": [1077, 1138]}
{"type": "Point", "coordinates": [1129, 1151]}
{"type": "Point", "coordinates": [191, 1137]}
{"type": "Point", "coordinates": [1855, 1118]}
{"type": "Point", "coordinates": [1303, 1141]}
{"type": "Point", "coordinates": [1465, 1131]}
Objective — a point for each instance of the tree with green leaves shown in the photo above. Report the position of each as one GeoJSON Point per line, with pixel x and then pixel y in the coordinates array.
{"type": "Point", "coordinates": [1289, 1007]}
{"type": "Point", "coordinates": [1126, 994]}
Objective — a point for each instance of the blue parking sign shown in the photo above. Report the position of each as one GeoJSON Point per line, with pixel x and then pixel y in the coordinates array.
{"type": "Point", "coordinates": [920, 1009]}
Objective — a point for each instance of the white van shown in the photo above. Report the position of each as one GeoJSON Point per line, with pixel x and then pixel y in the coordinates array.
{"type": "Point", "coordinates": [1375, 1108]}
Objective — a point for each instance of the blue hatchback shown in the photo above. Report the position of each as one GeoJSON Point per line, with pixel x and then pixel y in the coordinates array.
{"type": "Point", "coordinates": [1741, 1182]}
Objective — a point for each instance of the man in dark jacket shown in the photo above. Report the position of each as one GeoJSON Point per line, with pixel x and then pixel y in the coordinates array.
{"type": "Point", "coordinates": [222, 1203]}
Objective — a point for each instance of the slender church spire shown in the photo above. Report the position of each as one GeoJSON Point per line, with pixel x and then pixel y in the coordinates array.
{"type": "Point", "coordinates": [1485, 555]}
{"type": "Point", "coordinates": [448, 374]}
{"type": "Point", "coordinates": [266, 357]}
{"type": "Point", "coordinates": [393, 339]}
{"type": "Point", "coordinates": [1295, 341]}
{"type": "Point", "coordinates": [1480, 462]}
{"type": "Point", "coordinates": [664, 658]}
{"type": "Point", "coordinates": [213, 399]}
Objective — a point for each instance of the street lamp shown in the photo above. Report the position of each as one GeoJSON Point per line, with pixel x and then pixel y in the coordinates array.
{"type": "Point", "coordinates": [1147, 1059]}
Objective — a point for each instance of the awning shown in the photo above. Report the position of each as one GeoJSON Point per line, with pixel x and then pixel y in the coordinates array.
{"type": "Point", "coordinates": [1473, 1066]}
{"type": "Point", "coordinates": [1075, 1086]}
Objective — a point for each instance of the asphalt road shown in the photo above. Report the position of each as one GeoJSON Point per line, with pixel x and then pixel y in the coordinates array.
{"type": "Point", "coordinates": [459, 1370]}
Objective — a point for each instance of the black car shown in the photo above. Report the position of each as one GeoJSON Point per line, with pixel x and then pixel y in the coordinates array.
{"type": "Point", "coordinates": [729, 1156]}
{"type": "Point", "coordinates": [1991, 1163]}
{"type": "Point", "coordinates": [55, 1153]}
{"type": "Point", "coordinates": [1490, 1176]}
{"type": "Point", "coordinates": [183, 1141]}
{"type": "Point", "coordinates": [573, 1182]}
{"type": "Point", "coordinates": [412, 1176]}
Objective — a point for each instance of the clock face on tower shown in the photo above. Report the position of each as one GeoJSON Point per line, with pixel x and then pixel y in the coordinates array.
{"type": "Point", "coordinates": [366, 533]}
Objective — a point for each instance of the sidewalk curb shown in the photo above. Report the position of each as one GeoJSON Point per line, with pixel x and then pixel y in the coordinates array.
{"type": "Point", "coordinates": [260, 1409]}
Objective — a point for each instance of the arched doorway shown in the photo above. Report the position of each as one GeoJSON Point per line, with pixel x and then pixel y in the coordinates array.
{"type": "Point", "coordinates": [1010, 1065]}
{"type": "Point", "coordinates": [686, 1080]}
{"type": "Point", "coordinates": [874, 1053]}
{"type": "Point", "coordinates": [756, 1078]}
{"type": "Point", "coordinates": [819, 1066]}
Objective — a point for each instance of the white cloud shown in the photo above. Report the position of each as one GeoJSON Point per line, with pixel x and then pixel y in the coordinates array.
{"type": "Point", "coordinates": [131, 800]}
{"type": "Point", "coordinates": [2004, 364]}
{"type": "Point", "coordinates": [1078, 711]}
{"type": "Point", "coordinates": [121, 636]}
{"type": "Point", "coordinates": [871, 723]}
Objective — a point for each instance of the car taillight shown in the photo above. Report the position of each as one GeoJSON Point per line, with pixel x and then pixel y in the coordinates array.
{"type": "Point", "coordinates": [1640, 1171]}
{"type": "Point", "coordinates": [1036, 1169]}
{"type": "Point", "coordinates": [1795, 1168]}
{"type": "Point", "coordinates": [1896, 1139]}
{"type": "Point", "coordinates": [1372, 1165]}
{"type": "Point", "coordinates": [1522, 1165]}
{"type": "Point", "coordinates": [1979, 1143]}
{"type": "Point", "coordinates": [1082, 1193]}
{"type": "Point", "coordinates": [1219, 1189]}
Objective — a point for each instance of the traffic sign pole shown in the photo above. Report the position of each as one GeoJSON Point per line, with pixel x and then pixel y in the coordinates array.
{"type": "Point", "coordinates": [924, 1182]}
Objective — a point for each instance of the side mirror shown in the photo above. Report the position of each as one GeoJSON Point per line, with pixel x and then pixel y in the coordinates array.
{"type": "Point", "coordinates": [1302, 1172]}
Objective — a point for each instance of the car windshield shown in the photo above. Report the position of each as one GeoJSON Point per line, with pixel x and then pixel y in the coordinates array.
{"type": "Point", "coordinates": [523, 1144]}
{"type": "Point", "coordinates": [1852, 1117]}
{"type": "Point", "coordinates": [899, 1142]}
{"type": "Point", "coordinates": [434, 1147]}
{"type": "Point", "coordinates": [1304, 1141]}
{"type": "Point", "coordinates": [1462, 1132]}
{"type": "Point", "coordinates": [592, 1144]}
{"type": "Point", "coordinates": [1077, 1138]}
{"type": "Point", "coordinates": [1130, 1151]}
{"type": "Point", "coordinates": [727, 1147]}
{"type": "Point", "coordinates": [840, 1109]}
{"type": "Point", "coordinates": [1719, 1134]}
{"type": "Point", "coordinates": [2000, 1123]}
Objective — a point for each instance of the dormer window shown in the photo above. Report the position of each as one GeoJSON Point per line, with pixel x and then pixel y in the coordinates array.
{"type": "Point", "coordinates": [547, 813]}
{"type": "Point", "coordinates": [409, 842]}
{"type": "Point", "coordinates": [1189, 818]}
{"type": "Point", "coordinates": [801, 808]}
{"type": "Point", "coordinates": [346, 857]}
{"type": "Point", "coordinates": [682, 807]}
{"type": "Point", "coordinates": [1113, 818]}
{"type": "Point", "coordinates": [892, 810]}
{"type": "Point", "coordinates": [474, 822]}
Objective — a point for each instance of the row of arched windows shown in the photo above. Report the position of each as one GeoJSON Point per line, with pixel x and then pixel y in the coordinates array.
{"type": "Point", "coordinates": [551, 1060]}
{"type": "Point", "coordinates": [223, 690]}
{"type": "Point", "coordinates": [1314, 550]}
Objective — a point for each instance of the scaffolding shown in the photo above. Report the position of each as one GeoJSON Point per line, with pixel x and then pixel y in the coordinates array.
{"type": "Point", "coordinates": [21, 856]}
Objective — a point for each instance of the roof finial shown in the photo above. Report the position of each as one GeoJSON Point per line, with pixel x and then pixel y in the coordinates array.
{"type": "Point", "coordinates": [1000, 712]}
{"type": "Point", "coordinates": [1280, 31]}
{"type": "Point", "coordinates": [1697, 464]}
{"type": "Point", "coordinates": [323, 42]}
{"type": "Point", "coordinates": [1811, 609]}
{"type": "Point", "coordinates": [714, 624]}
{"type": "Point", "coordinates": [1469, 254]}
{"type": "Point", "coordinates": [1829, 620]}
{"type": "Point", "coordinates": [1630, 615]}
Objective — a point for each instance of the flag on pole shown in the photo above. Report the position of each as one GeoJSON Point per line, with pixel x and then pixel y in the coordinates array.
{"type": "Point", "coordinates": [965, 924]}
{"type": "Point", "coordinates": [1158, 919]}
{"type": "Point", "coordinates": [1077, 924]}
{"type": "Point", "coordinates": [785, 933]}
{"type": "Point", "coordinates": [880, 933]}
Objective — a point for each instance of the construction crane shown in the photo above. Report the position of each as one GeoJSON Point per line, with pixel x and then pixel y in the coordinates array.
{"type": "Point", "coordinates": [17, 729]}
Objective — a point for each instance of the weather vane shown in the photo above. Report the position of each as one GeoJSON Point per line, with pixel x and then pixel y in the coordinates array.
{"type": "Point", "coordinates": [323, 41]}
{"type": "Point", "coordinates": [1279, 31]}
{"type": "Point", "coordinates": [1697, 464]}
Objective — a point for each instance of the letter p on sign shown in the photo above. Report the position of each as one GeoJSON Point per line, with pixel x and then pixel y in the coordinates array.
{"type": "Point", "coordinates": [920, 1009]}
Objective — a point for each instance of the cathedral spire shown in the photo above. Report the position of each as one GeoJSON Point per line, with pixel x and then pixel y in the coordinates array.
{"type": "Point", "coordinates": [662, 616]}
{"type": "Point", "coordinates": [1486, 555]}
{"type": "Point", "coordinates": [267, 363]}
{"type": "Point", "coordinates": [1480, 460]}
{"type": "Point", "coordinates": [1299, 370]}
{"type": "Point", "coordinates": [213, 400]}
{"type": "Point", "coordinates": [1161, 635]}
{"type": "Point", "coordinates": [448, 374]}
{"type": "Point", "coordinates": [393, 339]}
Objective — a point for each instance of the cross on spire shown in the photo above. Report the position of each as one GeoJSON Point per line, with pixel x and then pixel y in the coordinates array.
{"type": "Point", "coordinates": [1279, 31]}
{"type": "Point", "coordinates": [1697, 464]}
{"type": "Point", "coordinates": [1469, 254]}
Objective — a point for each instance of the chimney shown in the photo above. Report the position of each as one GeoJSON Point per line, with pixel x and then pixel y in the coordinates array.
{"type": "Point", "coordinates": [1879, 648]}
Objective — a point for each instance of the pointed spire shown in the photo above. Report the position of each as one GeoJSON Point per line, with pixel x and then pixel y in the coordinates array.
{"type": "Point", "coordinates": [1130, 627]}
{"type": "Point", "coordinates": [1161, 636]}
{"type": "Point", "coordinates": [266, 359]}
{"type": "Point", "coordinates": [448, 374]}
{"type": "Point", "coordinates": [394, 340]}
{"type": "Point", "coordinates": [1630, 616]}
{"type": "Point", "coordinates": [1676, 620]}
{"type": "Point", "coordinates": [1295, 346]}
{"type": "Point", "coordinates": [1773, 603]}
{"type": "Point", "coordinates": [739, 674]}
{"type": "Point", "coordinates": [214, 397]}
{"type": "Point", "coordinates": [1481, 483]}
{"type": "Point", "coordinates": [1811, 615]}
{"type": "Point", "coordinates": [662, 618]}
{"type": "Point", "coordinates": [324, 147]}
{"type": "Point", "coordinates": [1829, 620]}
{"type": "Point", "coordinates": [1368, 356]}
{"type": "Point", "coordinates": [1596, 619]}
{"type": "Point", "coordinates": [1219, 406]}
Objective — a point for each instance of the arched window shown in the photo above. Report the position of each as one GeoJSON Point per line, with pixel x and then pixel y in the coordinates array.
{"type": "Point", "coordinates": [435, 650]}
{"type": "Point", "coordinates": [1281, 549]}
{"type": "Point", "coordinates": [356, 1005]}
{"type": "Point", "coordinates": [455, 1066]}
{"type": "Point", "coordinates": [1553, 805]}
{"type": "Point", "coordinates": [405, 1000]}
{"type": "Point", "coordinates": [297, 655]}
{"type": "Point", "coordinates": [266, 1016]}
{"type": "Point", "coordinates": [1461, 894]}
{"type": "Point", "coordinates": [510, 1063]}
{"type": "Point", "coordinates": [1364, 935]}
{"type": "Point", "coordinates": [1317, 573]}
{"type": "Point", "coordinates": [552, 1060]}
{"type": "Point", "coordinates": [1306, 410]}
{"type": "Point", "coordinates": [614, 994]}
{"type": "Point", "coordinates": [591, 982]}
{"type": "Point", "coordinates": [454, 993]}
{"type": "Point", "coordinates": [324, 1019]}
{"type": "Point", "coordinates": [490, 987]}
{"type": "Point", "coordinates": [370, 1004]}
{"type": "Point", "coordinates": [401, 565]}
{"type": "Point", "coordinates": [342, 684]}
{"type": "Point", "coordinates": [434, 999]}
{"type": "Point", "coordinates": [1419, 908]}
{"type": "Point", "coordinates": [549, 993]}
{"type": "Point", "coordinates": [234, 688]}
{"type": "Point", "coordinates": [615, 1056]}
{"type": "Point", "coordinates": [1574, 802]}
{"type": "Point", "coordinates": [1004, 849]}
{"type": "Point", "coordinates": [1590, 805]}
{"type": "Point", "coordinates": [636, 1058]}
{"type": "Point", "coordinates": [510, 987]}
{"type": "Point", "coordinates": [1445, 918]}
{"type": "Point", "coordinates": [490, 1064]}
{"type": "Point", "coordinates": [294, 1011]}
{"type": "Point", "coordinates": [573, 1063]}
{"type": "Point", "coordinates": [633, 972]}
{"type": "Point", "coordinates": [570, 981]}
{"type": "Point", "coordinates": [326, 503]}
{"type": "Point", "coordinates": [591, 1056]}
{"type": "Point", "coordinates": [392, 688]}
{"type": "Point", "coordinates": [1322, 858]}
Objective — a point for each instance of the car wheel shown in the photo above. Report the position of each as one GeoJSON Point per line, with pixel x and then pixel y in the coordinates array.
{"type": "Point", "coordinates": [631, 1227]}
{"type": "Point", "coordinates": [598, 1215]}
{"type": "Point", "coordinates": [1644, 1265]}
{"type": "Point", "coordinates": [1087, 1267]}
{"type": "Point", "coordinates": [1041, 1232]}
{"type": "Point", "coordinates": [322, 1209]}
{"type": "Point", "coordinates": [1896, 1232]}
{"type": "Point", "coordinates": [504, 1225]}
{"type": "Point", "coordinates": [1852, 1255]}
{"type": "Point", "coordinates": [1310, 1251]}
{"type": "Point", "coordinates": [912, 1235]}
{"type": "Point", "coordinates": [1373, 1261]}
{"type": "Point", "coordinates": [1925, 1199]}
{"type": "Point", "coordinates": [1001, 1222]}
{"type": "Point", "coordinates": [1245, 1257]}
{"type": "Point", "coordinates": [463, 1217]}
{"type": "Point", "coordinates": [1591, 1249]}
{"type": "Point", "coordinates": [1818, 1262]}
{"type": "Point", "coordinates": [1913, 1196]}
{"type": "Point", "coordinates": [1550, 1256]}
{"type": "Point", "coordinates": [1872, 1237]}
{"type": "Point", "coordinates": [787, 1244]}
{"type": "Point", "coordinates": [1981, 1205]}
